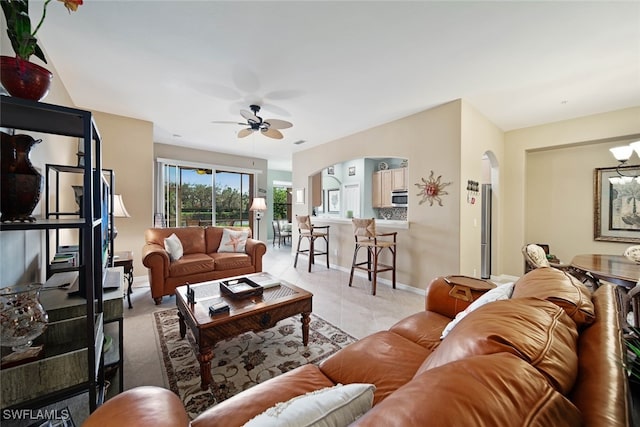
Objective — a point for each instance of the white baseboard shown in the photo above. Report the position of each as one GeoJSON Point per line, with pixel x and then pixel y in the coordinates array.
{"type": "Point", "coordinates": [381, 280]}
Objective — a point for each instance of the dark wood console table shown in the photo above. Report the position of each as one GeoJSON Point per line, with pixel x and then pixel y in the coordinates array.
{"type": "Point", "coordinates": [615, 269]}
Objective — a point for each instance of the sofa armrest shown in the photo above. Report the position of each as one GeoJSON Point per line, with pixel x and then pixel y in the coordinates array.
{"type": "Point", "coordinates": [155, 256]}
{"type": "Point", "coordinates": [445, 297]}
{"type": "Point", "coordinates": [256, 250]}
{"type": "Point", "coordinates": [140, 406]}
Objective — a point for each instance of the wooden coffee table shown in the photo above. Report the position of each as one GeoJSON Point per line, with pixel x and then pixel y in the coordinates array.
{"type": "Point", "coordinates": [248, 314]}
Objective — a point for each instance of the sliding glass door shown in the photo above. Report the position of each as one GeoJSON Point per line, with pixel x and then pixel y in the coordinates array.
{"type": "Point", "coordinates": [200, 196]}
{"type": "Point", "coordinates": [233, 198]}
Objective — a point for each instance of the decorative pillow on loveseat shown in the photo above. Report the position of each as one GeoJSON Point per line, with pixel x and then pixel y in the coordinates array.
{"type": "Point", "coordinates": [332, 406]}
{"type": "Point", "coordinates": [496, 294]}
{"type": "Point", "coordinates": [173, 246]}
{"type": "Point", "coordinates": [233, 240]}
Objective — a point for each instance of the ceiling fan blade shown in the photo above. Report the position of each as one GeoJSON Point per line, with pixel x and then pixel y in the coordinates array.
{"type": "Point", "coordinates": [226, 122]}
{"type": "Point", "coordinates": [272, 133]}
{"type": "Point", "coordinates": [278, 124]}
{"type": "Point", "coordinates": [245, 132]}
{"type": "Point", "coordinates": [249, 115]}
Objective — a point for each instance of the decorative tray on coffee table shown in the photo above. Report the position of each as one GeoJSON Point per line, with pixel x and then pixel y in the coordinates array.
{"type": "Point", "coordinates": [240, 288]}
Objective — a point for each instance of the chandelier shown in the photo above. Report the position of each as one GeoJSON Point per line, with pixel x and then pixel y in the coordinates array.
{"type": "Point", "coordinates": [623, 154]}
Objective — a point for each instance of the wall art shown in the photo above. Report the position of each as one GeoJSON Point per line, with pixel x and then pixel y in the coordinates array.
{"type": "Point", "coordinates": [431, 189]}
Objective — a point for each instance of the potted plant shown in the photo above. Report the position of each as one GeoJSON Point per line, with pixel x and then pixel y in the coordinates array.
{"type": "Point", "coordinates": [20, 77]}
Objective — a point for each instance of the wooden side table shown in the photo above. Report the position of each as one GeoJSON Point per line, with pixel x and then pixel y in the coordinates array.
{"type": "Point", "coordinates": [125, 259]}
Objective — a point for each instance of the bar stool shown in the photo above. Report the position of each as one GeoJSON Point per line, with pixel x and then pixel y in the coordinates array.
{"type": "Point", "coordinates": [306, 230]}
{"type": "Point", "coordinates": [364, 231]}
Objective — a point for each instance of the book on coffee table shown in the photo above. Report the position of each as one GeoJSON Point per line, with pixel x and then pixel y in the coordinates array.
{"type": "Point", "coordinates": [265, 280]}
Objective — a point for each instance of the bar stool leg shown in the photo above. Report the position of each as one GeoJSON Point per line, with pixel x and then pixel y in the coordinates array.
{"type": "Point", "coordinates": [295, 263]}
{"type": "Point", "coordinates": [311, 252]}
{"type": "Point", "coordinates": [327, 239]}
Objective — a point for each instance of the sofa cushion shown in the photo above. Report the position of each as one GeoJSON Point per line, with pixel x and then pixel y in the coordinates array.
{"type": "Point", "coordinates": [537, 331]}
{"type": "Point", "coordinates": [173, 246]}
{"type": "Point", "coordinates": [233, 241]}
{"type": "Point", "coordinates": [422, 328]}
{"type": "Point", "coordinates": [339, 405]}
{"type": "Point", "coordinates": [191, 264]}
{"type": "Point", "coordinates": [230, 260]}
{"type": "Point", "coordinates": [240, 408]}
{"type": "Point", "coordinates": [490, 390]}
{"type": "Point", "coordinates": [384, 359]}
{"type": "Point", "coordinates": [192, 238]}
{"type": "Point", "coordinates": [496, 294]}
{"type": "Point", "coordinates": [560, 288]}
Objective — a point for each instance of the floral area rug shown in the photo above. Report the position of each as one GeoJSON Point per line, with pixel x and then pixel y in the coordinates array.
{"type": "Point", "coordinates": [242, 361]}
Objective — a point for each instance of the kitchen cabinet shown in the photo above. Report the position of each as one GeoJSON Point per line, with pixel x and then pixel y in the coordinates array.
{"type": "Point", "coordinates": [381, 189]}
{"type": "Point", "coordinates": [399, 179]}
{"type": "Point", "coordinates": [316, 190]}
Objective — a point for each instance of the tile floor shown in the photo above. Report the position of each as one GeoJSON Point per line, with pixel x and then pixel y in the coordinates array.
{"type": "Point", "coordinates": [354, 310]}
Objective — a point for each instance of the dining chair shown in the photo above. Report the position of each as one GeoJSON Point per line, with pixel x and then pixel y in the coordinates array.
{"type": "Point", "coordinates": [285, 230]}
{"type": "Point", "coordinates": [311, 233]}
{"type": "Point", "coordinates": [366, 236]}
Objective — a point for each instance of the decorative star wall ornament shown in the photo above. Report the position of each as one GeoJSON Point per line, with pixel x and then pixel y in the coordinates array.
{"type": "Point", "coordinates": [431, 189]}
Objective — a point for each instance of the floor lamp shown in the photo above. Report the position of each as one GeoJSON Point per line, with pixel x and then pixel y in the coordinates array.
{"type": "Point", "coordinates": [258, 206]}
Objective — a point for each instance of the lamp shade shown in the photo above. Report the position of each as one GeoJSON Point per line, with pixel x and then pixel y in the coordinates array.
{"type": "Point", "coordinates": [622, 153]}
{"type": "Point", "coordinates": [258, 204]}
{"type": "Point", "coordinates": [119, 210]}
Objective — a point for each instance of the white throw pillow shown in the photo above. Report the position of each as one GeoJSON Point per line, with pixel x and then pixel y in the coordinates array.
{"type": "Point", "coordinates": [173, 245]}
{"type": "Point", "coordinates": [339, 405]}
{"type": "Point", "coordinates": [233, 241]}
{"type": "Point", "coordinates": [503, 291]}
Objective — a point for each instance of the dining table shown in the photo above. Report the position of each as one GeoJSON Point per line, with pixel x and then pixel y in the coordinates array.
{"type": "Point", "coordinates": [616, 269]}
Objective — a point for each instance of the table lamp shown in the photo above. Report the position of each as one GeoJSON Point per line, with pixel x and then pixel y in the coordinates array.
{"type": "Point", "coordinates": [258, 206]}
{"type": "Point", "coordinates": [119, 211]}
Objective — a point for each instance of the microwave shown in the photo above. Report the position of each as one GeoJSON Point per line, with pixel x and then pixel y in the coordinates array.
{"type": "Point", "coordinates": [400, 198]}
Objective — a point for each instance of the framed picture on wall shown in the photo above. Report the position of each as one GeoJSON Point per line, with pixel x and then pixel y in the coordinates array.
{"type": "Point", "coordinates": [333, 201]}
{"type": "Point", "coordinates": [352, 170]}
{"type": "Point", "coordinates": [330, 171]}
{"type": "Point", "coordinates": [299, 196]}
{"type": "Point", "coordinates": [616, 210]}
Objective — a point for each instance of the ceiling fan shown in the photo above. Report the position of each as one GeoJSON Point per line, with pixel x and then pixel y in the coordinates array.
{"type": "Point", "coordinates": [255, 123]}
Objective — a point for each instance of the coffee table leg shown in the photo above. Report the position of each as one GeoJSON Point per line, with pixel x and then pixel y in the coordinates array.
{"type": "Point", "coordinates": [305, 328]}
{"type": "Point", "coordinates": [204, 356]}
{"type": "Point", "coordinates": [183, 326]}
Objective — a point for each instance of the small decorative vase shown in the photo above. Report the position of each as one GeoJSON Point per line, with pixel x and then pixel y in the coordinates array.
{"type": "Point", "coordinates": [20, 182]}
{"type": "Point", "coordinates": [24, 79]}
{"type": "Point", "coordinates": [22, 318]}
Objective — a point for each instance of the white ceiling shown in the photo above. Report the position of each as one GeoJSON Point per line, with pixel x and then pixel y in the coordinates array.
{"type": "Point", "coordinates": [336, 68]}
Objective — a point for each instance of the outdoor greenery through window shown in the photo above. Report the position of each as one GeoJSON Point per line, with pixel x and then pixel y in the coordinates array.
{"type": "Point", "coordinates": [282, 203]}
{"type": "Point", "coordinates": [195, 196]}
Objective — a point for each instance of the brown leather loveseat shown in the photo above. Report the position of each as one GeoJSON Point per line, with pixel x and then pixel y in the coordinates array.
{"type": "Point", "coordinates": [551, 355]}
{"type": "Point", "coordinates": [202, 259]}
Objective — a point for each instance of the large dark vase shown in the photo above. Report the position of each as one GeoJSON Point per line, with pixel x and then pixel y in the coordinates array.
{"type": "Point", "coordinates": [20, 182]}
{"type": "Point", "coordinates": [24, 79]}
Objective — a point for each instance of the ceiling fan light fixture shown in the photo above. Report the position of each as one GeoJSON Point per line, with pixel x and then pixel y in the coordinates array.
{"type": "Point", "coordinates": [268, 127]}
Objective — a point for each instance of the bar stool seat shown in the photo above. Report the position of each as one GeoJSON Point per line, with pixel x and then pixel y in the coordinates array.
{"type": "Point", "coordinates": [364, 231]}
{"type": "Point", "coordinates": [310, 232]}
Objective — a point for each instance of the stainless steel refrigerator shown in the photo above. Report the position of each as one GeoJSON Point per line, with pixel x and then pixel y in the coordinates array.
{"type": "Point", "coordinates": [485, 238]}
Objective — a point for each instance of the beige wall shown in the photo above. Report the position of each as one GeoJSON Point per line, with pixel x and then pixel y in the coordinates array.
{"type": "Point", "coordinates": [430, 140]}
{"type": "Point", "coordinates": [519, 225]}
{"type": "Point", "coordinates": [478, 136]}
{"type": "Point", "coordinates": [559, 204]}
{"type": "Point", "coordinates": [127, 146]}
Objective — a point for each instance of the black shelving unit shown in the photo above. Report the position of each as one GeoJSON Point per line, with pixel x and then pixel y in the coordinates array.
{"type": "Point", "coordinates": [31, 116]}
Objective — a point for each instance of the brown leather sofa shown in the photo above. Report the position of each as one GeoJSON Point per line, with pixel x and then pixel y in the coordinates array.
{"type": "Point", "coordinates": [552, 355]}
{"type": "Point", "coordinates": [201, 260]}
